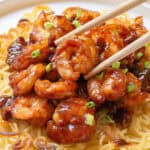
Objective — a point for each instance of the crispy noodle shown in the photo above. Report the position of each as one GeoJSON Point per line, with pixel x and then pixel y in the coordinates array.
{"type": "Point", "coordinates": [27, 137]}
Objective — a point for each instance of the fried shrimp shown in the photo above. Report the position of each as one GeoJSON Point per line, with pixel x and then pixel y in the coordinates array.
{"type": "Point", "coordinates": [80, 14]}
{"type": "Point", "coordinates": [33, 109]}
{"type": "Point", "coordinates": [32, 53]}
{"type": "Point", "coordinates": [15, 49]}
{"type": "Point", "coordinates": [72, 122]}
{"type": "Point", "coordinates": [111, 38]}
{"type": "Point", "coordinates": [110, 87]}
{"type": "Point", "coordinates": [75, 56]}
{"type": "Point", "coordinates": [23, 82]}
{"type": "Point", "coordinates": [49, 26]}
{"type": "Point", "coordinates": [55, 90]}
{"type": "Point", "coordinates": [134, 94]}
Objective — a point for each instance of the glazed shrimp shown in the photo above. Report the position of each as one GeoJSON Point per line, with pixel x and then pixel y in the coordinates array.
{"type": "Point", "coordinates": [80, 14]}
{"type": "Point", "coordinates": [15, 49]}
{"type": "Point", "coordinates": [134, 96]}
{"type": "Point", "coordinates": [33, 109]}
{"type": "Point", "coordinates": [111, 38]}
{"type": "Point", "coordinates": [70, 124]}
{"type": "Point", "coordinates": [55, 90]}
{"type": "Point", "coordinates": [31, 54]}
{"type": "Point", "coordinates": [23, 82]}
{"type": "Point", "coordinates": [58, 26]}
{"type": "Point", "coordinates": [111, 87]}
{"type": "Point", "coordinates": [75, 56]}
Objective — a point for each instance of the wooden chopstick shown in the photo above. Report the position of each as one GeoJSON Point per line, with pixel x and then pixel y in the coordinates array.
{"type": "Point", "coordinates": [101, 19]}
{"type": "Point", "coordinates": [131, 48]}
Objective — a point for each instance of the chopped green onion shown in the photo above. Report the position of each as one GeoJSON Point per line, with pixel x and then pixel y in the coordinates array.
{"type": "Point", "coordinates": [147, 45]}
{"type": "Point", "coordinates": [108, 119]}
{"type": "Point", "coordinates": [115, 31]}
{"type": "Point", "coordinates": [48, 25]}
{"type": "Point", "coordinates": [147, 64]}
{"type": "Point", "coordinates": [79, 12]}
{"type": "Point", "coordinates": [35, 53]}
{"type": "Point", "coordinates": [89, 120]}
{"type": "Point", "coordinates": [125, 70]}
{"type": "Point", "coordinates": [116, 65]}
{"type": "Point", "coordinates": [131, 87]}
{"type": "Point", "coordinates": [90, 104]}
{"type": "Point", "coordinates": [76, 23]}
{"type": "Point", "coordinates": [139, 55]}
{"type": "Point", "coordinates": [48, 67]}
{"type": "Point", "coordinates": [100, 75]}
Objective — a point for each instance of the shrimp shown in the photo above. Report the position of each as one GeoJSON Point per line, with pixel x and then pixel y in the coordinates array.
{"type": "Point", "coordinates": [111, 87]}
{"type": "Point", "coordinates": [55, 90]}
{"type": "Point", "coordinates": [69, 124]}
{"type": "Point", "coordinates": [136, 96]}
{"type": "Point", "coordinates": [59, 26]}
{"type": "Point", "coordinates": [131, 100]}
{"type": "Point", "coordinates": [23, 82]}
{"type": "Point", "coordinates": [53, 74]}
{"type": "Point", "coordinates": [75, 56]}
{"type": "Point", "coordinates": [33, 109]}
{"type": "Point", "coordinates": [111, 38]}
{"type": "Point", "coordinates": [27, 57]}
{"type": "Point", "coordinates": [80, 14]}
{"type": "Point", "coordinates": [132, 79]}
{"type": "Point", "coordinates": [15, 49]}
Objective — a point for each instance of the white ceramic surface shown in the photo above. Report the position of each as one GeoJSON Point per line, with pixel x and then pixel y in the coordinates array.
{"type": "Point", "coordinates": [12, 10]}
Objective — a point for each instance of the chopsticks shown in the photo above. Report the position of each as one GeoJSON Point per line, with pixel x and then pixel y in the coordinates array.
{"type": "Point", "coordinates": [101, 19]}
{"type": "Point", "coordinates": [131, 48]}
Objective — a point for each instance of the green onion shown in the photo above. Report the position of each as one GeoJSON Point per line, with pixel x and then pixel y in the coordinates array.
{"type": "Point", "coordinates": [100, 75]}
{"type": "Point", "coordinates": [76, 23]}
{"type": "Point", "coordinates": [139, 55]}
{"type": "Point", "coordinates": [90, 104]}
{"type": "Point", "coordinates": [147, 45]}
{"type": "Point", "coordinates": [48, 25]}
{"type": "Point", "coordinates": [131, 87]}
{"type": "Point", "coordinates": [79, 12]}
{"type": "Point", "coordinates": [48, 67]}
{"type": "Point", "coordinates": [89, 120]}
{"type": "Point", "coordinates": [108, 119]}
{"type": "Point", "coordinates": [147, 64]}
{"type": "Point", "coordinates": [115, 31]}
{"type": "Point", "coordinates": [35, 53]}
{"type": "Point", "coordinates": [125, 70]}
{"type": "Point", "coordinates": [116, 65]}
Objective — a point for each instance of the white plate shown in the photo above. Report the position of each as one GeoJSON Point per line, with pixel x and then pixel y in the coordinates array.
{"type": "Point", "coordinates": [12, 10]}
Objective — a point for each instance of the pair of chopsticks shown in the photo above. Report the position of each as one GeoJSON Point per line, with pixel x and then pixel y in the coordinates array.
{"type": "Point", "coordinates": [131, 48]}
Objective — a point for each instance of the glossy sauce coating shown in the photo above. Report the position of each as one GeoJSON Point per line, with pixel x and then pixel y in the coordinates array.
{"type": "Point", "coordinates": [134, 98]}
{"type": "Point", "coordinates": [55, 90]}
{"type": "Point", "coordinates": [59, 26]}
{"type": "Point", "coordinates": [111, 87]}
{"type": "Point", "coordinates": [25, 58]}
{"type": "Point", "coordinates": [69, 122]}
{"type": "Point", "coordinates": [33, 109]}
{"type": "Point", "coordinates": [75, 56]}
{"type": "Point", "coordinates": [23, 82]}
{"type": "Point", "coordinates": [80, 14]}
{"type": "Point", "coordinates": [15, 49]}
{"type": "Point", "coordinates": [111, 38]}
